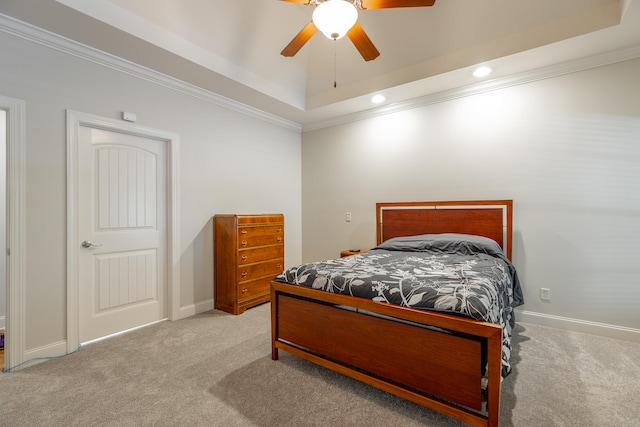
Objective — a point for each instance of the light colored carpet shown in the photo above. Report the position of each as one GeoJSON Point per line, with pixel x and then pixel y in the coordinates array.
{"type": "Point", "coordinates": [215, 369]}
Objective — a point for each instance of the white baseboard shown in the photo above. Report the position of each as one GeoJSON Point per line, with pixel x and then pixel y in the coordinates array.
{"type": "Point", "coordinates": [41, 354]}
{"type": "Point", "coordinates": [594, 328]}
{"type": "Point", "coordinates": [193, 309]}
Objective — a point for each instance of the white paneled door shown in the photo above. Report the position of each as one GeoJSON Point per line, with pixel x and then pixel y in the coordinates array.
{"type": "Point", "coordinates": [122, 231]}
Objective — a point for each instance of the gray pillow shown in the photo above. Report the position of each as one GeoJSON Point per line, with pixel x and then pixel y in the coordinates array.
{"type": "Point", "coordinates": [465, 244]}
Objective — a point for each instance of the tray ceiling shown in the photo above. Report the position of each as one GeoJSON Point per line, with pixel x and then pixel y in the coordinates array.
{"type": "Point", "coordinates": [233, 47]}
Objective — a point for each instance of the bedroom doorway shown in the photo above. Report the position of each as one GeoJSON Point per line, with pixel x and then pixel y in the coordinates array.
{"type": "Point", "coordinates": [3, 232]}
{"type": "Point", "coordinates": [120, 227]}
{"type": "Point", "coordinates": [12, 179]}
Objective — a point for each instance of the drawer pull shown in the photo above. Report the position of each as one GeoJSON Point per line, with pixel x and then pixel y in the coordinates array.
{"type": "Point", "coordinates": [245, 290]}
{"type": "Point", "coordinates": [244, 243]}
{"type": "Point", "coordinates": [244, 257]}
{"type": "Point", "coordinates": [244, 274]}
{"type": "Point", "coordinates": [279, 229]}
{"type": "Point", "coordinates": [243, 232]}
{"type": "Point", "coordinates": [279, 265]}
{"type": "Point", "coordinates": [279, 239]}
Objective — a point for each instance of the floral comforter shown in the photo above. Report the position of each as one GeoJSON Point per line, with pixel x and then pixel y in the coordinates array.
{"type": "Point", "coordinates": [453, 273]}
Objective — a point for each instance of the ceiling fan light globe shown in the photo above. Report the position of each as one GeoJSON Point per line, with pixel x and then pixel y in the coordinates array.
{"type": "Point", "coordinates": [334, 18]}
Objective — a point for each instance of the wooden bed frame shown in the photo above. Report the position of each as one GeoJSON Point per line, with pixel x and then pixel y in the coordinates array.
{"type": "Point", "coordinates": [398, 349]}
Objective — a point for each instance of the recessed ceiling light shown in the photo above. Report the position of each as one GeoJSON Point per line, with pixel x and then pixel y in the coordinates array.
{"type": "Point", "coordinates": [482, 72]}
{"type": "Point", "coordinates": [377, 99]}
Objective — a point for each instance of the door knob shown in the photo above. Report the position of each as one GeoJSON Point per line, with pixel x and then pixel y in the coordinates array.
{"type": "Point", "coordinates": [87, 244]}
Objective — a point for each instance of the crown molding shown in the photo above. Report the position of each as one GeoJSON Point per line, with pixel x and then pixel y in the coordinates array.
{"type": "Point", "coordinates": [522, 78]}
{"type": "Point", "coordinates": [51, 40]}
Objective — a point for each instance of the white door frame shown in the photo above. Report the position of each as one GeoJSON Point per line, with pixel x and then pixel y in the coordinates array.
{"type": "Point", "coordinates": [74, 121]}
{"type": "Point", "coordinates": [14, 314]}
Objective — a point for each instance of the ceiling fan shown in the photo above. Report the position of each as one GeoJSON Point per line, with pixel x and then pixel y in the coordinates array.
{"type": "Point", "coordinates": [337, 18]}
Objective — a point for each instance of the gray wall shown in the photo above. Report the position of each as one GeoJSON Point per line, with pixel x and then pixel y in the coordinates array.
{"type": "Point", "coordinates": [565, 149]}
{"type": "Point", "coordinates": [229, 163]}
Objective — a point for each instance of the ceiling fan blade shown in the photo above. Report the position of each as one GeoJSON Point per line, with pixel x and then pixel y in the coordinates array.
{"type": "Point", "coordinates": [300, 39]}
{"type": "Point", "coordinates": [386, 4]}
{"type": "Point", "coordinates": [362, 42]}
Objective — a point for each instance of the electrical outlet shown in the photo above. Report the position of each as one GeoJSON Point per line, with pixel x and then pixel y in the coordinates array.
{"type": "Point", "coordinates": [545, 294]}
{"type": "Point", "coordinates": [348, 217]}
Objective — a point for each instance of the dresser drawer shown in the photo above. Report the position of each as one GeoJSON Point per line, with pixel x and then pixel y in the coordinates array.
{"type": "Point", "coordinates": [249, 237]}
{"type": "Point", "coordinates": [259, 220]}
{"type": "Point", "coordinates": [254, 287]}
{"type": "Point", "coordinates": [252, 271]}
{"type": "Point", "coordinates": [250, 256]}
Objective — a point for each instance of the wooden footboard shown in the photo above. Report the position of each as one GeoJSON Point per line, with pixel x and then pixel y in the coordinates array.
{"type": "Point", "coordinates": [432, 359]}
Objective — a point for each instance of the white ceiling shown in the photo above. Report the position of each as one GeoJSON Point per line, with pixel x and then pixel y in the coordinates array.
{"type": "Point", "coordinates": [232, 47]}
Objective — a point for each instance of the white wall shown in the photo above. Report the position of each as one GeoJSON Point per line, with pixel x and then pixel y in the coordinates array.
{"type": "Point", "coordinates": [230, 162]}
{"type": "Point", "coordinates": [566, 150]}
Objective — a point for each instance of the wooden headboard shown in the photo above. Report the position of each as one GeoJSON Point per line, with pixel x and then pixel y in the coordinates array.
{"type": "Point", "coordinates": [489, 218]}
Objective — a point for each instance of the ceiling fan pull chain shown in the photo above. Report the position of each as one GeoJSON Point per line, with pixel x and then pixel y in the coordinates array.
{"type": "Point", "coordinates": [335, 66]}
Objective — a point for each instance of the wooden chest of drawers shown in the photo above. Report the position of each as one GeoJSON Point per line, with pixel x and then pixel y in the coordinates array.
{"type": "Point", "coordinates": [248, 253]}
